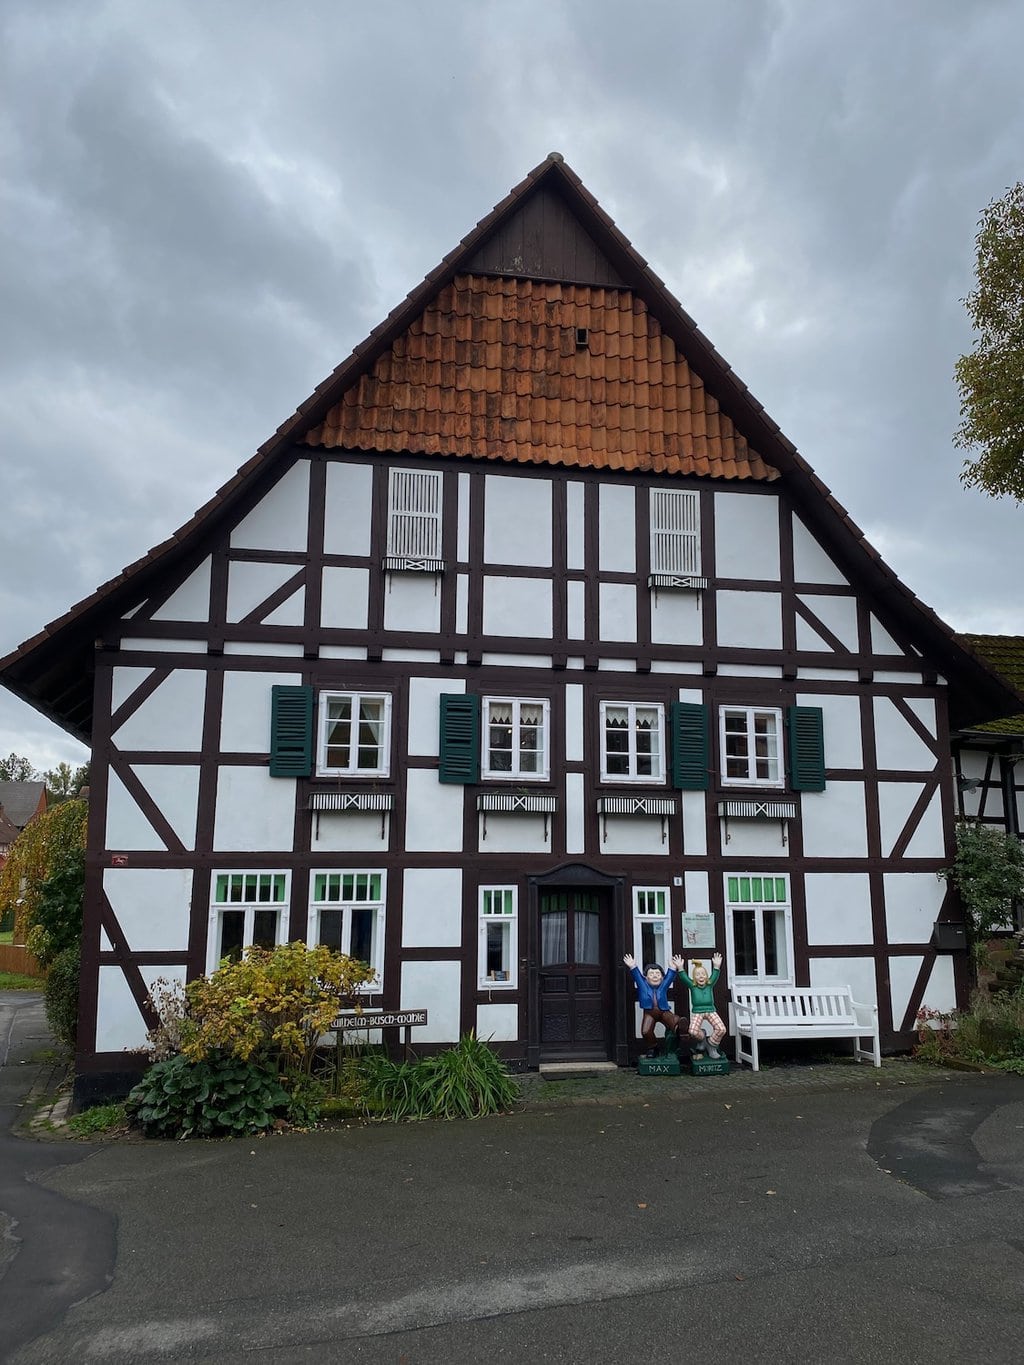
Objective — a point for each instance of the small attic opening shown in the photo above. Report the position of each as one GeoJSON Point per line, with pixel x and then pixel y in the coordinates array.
{"type": "Point", "coordinates": [582, 338]}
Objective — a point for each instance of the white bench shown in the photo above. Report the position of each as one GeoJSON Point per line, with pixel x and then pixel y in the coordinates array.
{"type": "Point", "coordinates": [763, 1013]}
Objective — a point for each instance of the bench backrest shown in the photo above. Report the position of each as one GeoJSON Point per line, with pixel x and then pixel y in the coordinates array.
{"type": "Point", "coordinates": [798, 1002]}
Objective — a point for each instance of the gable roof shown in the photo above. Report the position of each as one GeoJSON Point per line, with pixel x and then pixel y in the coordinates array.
{"type": "Point", "coordinates": [549, 228]}
{"type": "Point", "coordinates": [1004, 653]}
{"type": "Point", "coordinates": [20, 801]}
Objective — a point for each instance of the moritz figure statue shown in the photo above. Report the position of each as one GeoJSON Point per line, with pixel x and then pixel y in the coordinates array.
{"type": "Point", "coordinates": [702, 1004]}
{"type": "Point", "coordinates": [652, 995]}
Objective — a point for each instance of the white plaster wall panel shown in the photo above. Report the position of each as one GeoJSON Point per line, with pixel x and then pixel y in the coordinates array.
{"type": "Point", "coordinates": [747, 536]}
{"type": "Point", "coordinates": [425, 711]}
{"type": "Point", "coordinates": [974, 764]}
{"type": "Point", "coordinates": [928, 841]}
{"type": "Point", "coordinates": [749, 671]}
{"type": "Point", "coordinates": [753, 839]}
{"type": "Point", "coordinates": [573, 723]}
{"type": "Point", "coordinates": [411, 656]}
{"type": "Point", "coordinates": [146, 645]}
{"type": "Point", "coordinates": [895, 801]}
{"type": "Point", "coordinates": [105, 944]}
{"type": "Point", "coordinates": [124, 682]}
{"type": "Point", "coordinates": [576, 618]}
{"type": "Point", "coordinates": [433, 820]}
{"type": "Point", "coordinates": [175, 790]}
{"type": "Point", "coordinates": [280, 520]}
{"type": "Point", "coordinates": [834, 822]}
{"type": "Point", "coordinates": [348, 508]}
{"type": "Point", "coordinates": [171, 718]}
{"type": "Point", "coordinates": [350, 832]}
{"type": "Point", "coordinates": [119, 1025]}
{"type": "Point", "coordinates": [255, 812]}
{"type": "Point", "coordinates": [517, 521]}
{"type": "Point", "coordinates": [940, 992]}
{"type": "Point", "coordinates": [912, 904]}
{"type": "Point", "coordinates": [575, 814]}
{"type": "Point", "coordinates": [517, 606]}
{"type": "Point", "coordinates": [412, 602]}
{"type": "Point", "coordinates": [127, 827]}
{"type": "Point", "coordinates": [498, 833]}
{"type": "Point", "coordinates": [493, 659]}
{"type": "Point", "coordinates": [838, 908]}
{"type": "Point", "coordinates": [827, 674]}
{"type": "Point", "coordinates": [698, 897]}
{"type": "Point", "coordinates": [750, 620]}
{"type": "Point", "coordinates": [190, 601]}
{"type": "Point", "coordinates": [462, 603]}
{"type": "Point", "coordinates": [841, 723]}
{"type": "Point", "coordinates": [695, 824]}
{"type": "Point", "coordinates": [903, 973]}
{"type": "Point", "coordinates": [617, 528]}
{"type": "Point", "coordinates": [574, 526]}
{"type": "Point", "coordinates": [674, 666]}
{"type": "Point", "coordinates": [626, 834]}
{"type": "Point", "coordinates": [618, 611]}
{"type": "Point", "coordinates": [432, 907]}
{"type": "Point", "coordinates": [691, 694]}
{"type": "Point", "coordinates": [881, 641]}
{"type": "Point", "coordinates": [152, 906]}
{"type": "Point", "coordinates": [837, 614]}
{"type": "Point", "coordinates": [291, 612]}
{"type": "Point", "coordinates": [497, 1023]}
{"type": "Point", "coordinates": [462, 531]}
{"type": "Point", "coordinates": [252, 649]}
{"type": "Point", "coordinates": [344, 597]}
{"type": "Point", "coordinates": [856, 972]}
{"type": "Point", "coordinates": [676, 618]}
{"type": "Point", "coordinates": [810, 562]}
{"type": "Point", "coordinates": [433, 986]}
{"type": "Point", "coordinates": [897, 744]}
{"type": "Point", "coordinates": [900, 677]}
{"type": "Point", "coordinates": [250, 584]}
{"type": "Point", "coordinates": [616, 665]}
{"type": "Point", "coordinates": [342, 652]}
{"type": "Point", "coordinates": [924, 709]}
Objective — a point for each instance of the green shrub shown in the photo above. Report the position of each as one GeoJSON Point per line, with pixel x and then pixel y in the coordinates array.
{"type": "Point", "coordinates": [221, 1096]}
{"type": "Point", "coordinates": [100, 1119]}
{"type": "Point", "coordinates": [61, 998]}
{"type": "Point", "coordinates": [467, 1081]}
{"type": "Point", "coordinates": [991, 1031]}
{"type": "Point", "coordinates": [306, 1096]}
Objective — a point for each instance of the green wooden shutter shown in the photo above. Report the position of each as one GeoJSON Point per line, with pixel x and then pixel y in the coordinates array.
{"type": "Point", "coordinates": [460, 738]}
{"type": "Point", "coordinates": [806, 748]}
{"type": "Point", "coordinates": [291, 731]}
{"type": "Point", "coordinates": [690, 749]}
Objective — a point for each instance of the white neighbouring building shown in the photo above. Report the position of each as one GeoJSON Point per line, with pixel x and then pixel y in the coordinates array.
{"type": "Point", "coordinates": [527, 642]}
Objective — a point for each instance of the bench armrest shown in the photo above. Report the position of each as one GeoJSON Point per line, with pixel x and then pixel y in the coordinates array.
{"type": "Point", "coordinates": [870, 1010]}
{"type": "Point", "coordinates": [741, 1009]}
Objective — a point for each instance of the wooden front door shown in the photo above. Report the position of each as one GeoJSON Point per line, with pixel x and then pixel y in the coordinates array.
{"type": "Point", "coordinates": [575, 975]}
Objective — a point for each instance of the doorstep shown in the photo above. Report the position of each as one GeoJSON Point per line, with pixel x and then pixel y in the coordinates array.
{"type": "Point", "coordinates": [563, 1071]}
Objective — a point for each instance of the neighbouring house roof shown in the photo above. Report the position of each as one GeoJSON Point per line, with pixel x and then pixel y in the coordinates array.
{"type": "Point", "coordinates": [1005, 654]}
{"type": "Point", "coordinates": [546, 251]}
{"type": "Point", "coordinates": [21, 800]}
{"type": "Point", "coordinates": [8, 832]}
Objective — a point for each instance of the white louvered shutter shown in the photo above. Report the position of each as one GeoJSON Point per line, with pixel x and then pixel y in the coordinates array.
{"type": "Point", "coordinates": [675, 532]}
{"type": "Point", "coordinates": [414, 514]}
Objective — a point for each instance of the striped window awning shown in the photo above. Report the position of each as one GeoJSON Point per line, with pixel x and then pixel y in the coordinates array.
{"type": "Point", "coordinates": [516, 803]}
{"type": "Point", "coordinates": [409, 564]}
{"type": "Point", "coordinates": [636, 805]}
{"type": "Point", "coordinates": [676, 580]}
{"type": "Point", "coordinates": [347, 801]}
{"type": "Point", "coordinates": [758, 810]}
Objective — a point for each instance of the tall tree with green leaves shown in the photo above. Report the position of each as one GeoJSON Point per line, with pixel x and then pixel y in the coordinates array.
{"type": "Point", "coordinates": [991, 376]}
{"type": "Point", "coordinates": [17, 768]}
{"type": "Point", "coordinates": [64, 781]}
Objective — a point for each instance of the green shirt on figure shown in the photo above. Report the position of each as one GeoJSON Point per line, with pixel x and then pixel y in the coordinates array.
{"type": "Point", "coordinates": [702, 998]}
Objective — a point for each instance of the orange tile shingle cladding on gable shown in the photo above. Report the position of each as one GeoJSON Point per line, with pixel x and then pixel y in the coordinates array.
{"type": "Point", "coordinates": [491, 369]}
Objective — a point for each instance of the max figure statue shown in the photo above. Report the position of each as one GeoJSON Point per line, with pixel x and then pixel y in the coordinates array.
{"type": "Point", "coordinates": [652, 995]}
{"type": "Point", "coordinates": [702, 1004]}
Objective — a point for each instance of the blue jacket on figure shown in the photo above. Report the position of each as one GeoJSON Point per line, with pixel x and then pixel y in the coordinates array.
{"type": "Point", "coordinates": [653, 997]}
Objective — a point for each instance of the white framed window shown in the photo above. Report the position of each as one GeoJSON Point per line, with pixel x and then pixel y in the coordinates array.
{"type": "Point", "coordinates": [759, 929]}
{"type": "Point", "coordinates": [414, 516]}
{"type": "Point", "coordinates": [675, 532]}
{"type": "Point", "coordinates": [346, 912]}
{"type": "Point", "coordinates": [652, 934]}
{"type": "Point", "coordinates": [515, 738]}
{"type": "Point", "coordinates": [751, 739]}
{"type": "Point", "coordinates": [355, 734]}
{"type": "Point", "coordinates": [247, 908]}
{"type": "Point", "coordinates": [632, 742]}
{"type": "Point", "coordinates": [499, 937]}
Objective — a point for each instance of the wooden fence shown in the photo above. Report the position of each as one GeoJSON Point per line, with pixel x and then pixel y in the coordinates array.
{"type": "Point", "coordinates": [20, 960]}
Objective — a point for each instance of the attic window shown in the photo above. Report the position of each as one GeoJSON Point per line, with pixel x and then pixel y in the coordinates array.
{"type": "Point", "coordinates": [582, 338]}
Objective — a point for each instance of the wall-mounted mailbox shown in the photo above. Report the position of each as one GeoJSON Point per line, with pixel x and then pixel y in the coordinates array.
{"type": "Point", "coordinates": [949, 937]}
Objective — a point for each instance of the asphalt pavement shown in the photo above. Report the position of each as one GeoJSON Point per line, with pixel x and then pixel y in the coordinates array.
{"type": "Point", "coordinates": [843, 1217]}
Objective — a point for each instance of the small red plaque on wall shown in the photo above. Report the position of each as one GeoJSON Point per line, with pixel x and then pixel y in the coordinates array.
{"type": "Point", "coordinates": [119, 860]}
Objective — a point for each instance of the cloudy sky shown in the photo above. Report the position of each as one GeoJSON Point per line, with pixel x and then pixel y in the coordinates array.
{"type": "Point", "coordinates": [205, 204]}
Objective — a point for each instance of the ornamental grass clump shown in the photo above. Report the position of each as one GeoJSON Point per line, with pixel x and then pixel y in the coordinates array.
{"type": "Point", "coordinates": [467, 1081]}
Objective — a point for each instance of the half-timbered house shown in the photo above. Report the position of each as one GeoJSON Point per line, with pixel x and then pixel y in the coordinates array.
{"type": "Point", "coordinates": [527, 642]}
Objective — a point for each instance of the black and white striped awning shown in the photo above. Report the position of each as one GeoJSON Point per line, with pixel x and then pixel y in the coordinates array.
{"type": "Point", "coordinates": [758, 810]}
{"type": "Point", "coordinates": [516, 803]}
{"type": "Point", "coordinates": [636, 805]}
{"type": "Point", "coordinates": [345, 801]}
{"type": "Point", "coordinates": [676, 580]}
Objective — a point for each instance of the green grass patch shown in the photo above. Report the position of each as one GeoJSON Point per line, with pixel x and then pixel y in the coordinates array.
{"type": "Point", "coordinates": [102, 1118]}
{"type": "Point", "coordinates": [14, 981]}
{"type": "Point", "coordinates": [6, 935]}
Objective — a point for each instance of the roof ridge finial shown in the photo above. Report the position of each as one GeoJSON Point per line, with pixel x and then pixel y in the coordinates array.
{"type": "Point", "coordinates": [555, 156]}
